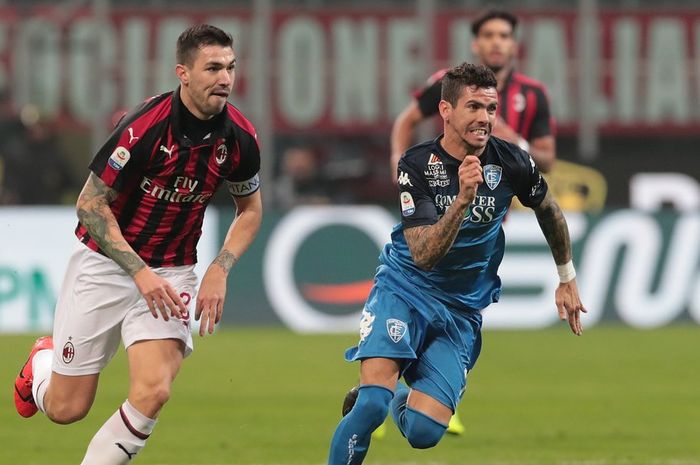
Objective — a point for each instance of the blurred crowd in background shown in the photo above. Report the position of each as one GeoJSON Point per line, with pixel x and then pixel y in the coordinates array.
{"type": "Point", "coordinates": [44, 153]}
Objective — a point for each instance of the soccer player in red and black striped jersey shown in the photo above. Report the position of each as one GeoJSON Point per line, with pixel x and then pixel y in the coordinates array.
{"type": "Point", "coordinates": [132, 278]}
{"type": "Point", "coordinates": [523, 107]}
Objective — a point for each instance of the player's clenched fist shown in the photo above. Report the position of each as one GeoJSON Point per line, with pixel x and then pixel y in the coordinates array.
{"type": "Point", "coordinates": [470, 177]}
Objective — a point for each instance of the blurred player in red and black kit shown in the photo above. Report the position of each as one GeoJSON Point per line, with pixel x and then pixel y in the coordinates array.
{"type": "Point", "coordinates": [523, 107]}
{"type": "Point", "coordinates": [132, 277]}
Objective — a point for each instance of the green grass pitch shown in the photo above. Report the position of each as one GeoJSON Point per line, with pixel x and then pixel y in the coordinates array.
{"type": "Point", "coordinates": [615, 396]}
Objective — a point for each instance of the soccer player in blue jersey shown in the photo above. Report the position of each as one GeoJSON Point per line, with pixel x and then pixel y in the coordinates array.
{"type": "Point", "coordinates": [422, 319]}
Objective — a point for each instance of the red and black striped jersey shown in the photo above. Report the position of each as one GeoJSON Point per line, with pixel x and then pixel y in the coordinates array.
{"type": "Point", "coordinates": [522, 103]}
{"type": "Point", "coordinates": [165, 181]}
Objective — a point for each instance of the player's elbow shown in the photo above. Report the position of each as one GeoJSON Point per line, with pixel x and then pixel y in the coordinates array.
{"type": "Point", "coordinates": [545, 160]}
{"type": "Point", "coordinates": [546, 164]}
{"type": "Point", "coordinates": [424, 263]}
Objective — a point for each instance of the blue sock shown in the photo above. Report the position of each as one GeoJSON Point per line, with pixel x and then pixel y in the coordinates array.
{"type": "Point", "coordinates": [421, 430]}
{"type": "Point", "coordinates": [351, 439]}
{"type": "Point", "coordinates": [398, 405]}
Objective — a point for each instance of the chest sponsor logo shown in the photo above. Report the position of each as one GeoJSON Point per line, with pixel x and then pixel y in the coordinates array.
{"type": "Point", "coordinates": [408, 208]}
{"type": "Point", "coordinates": [182, 190]}
{"type": "Point", "coordinates": [492, 175]}
{"type": "Point", "coordinates": [119, 158]}
{"type": "Point", "coordinates": [396, 329]}
{"type": "Point", "coordinates": [404, 180]}
{"type": "Point", "coordinates": [481, 210]}
{"type": "Point", "coordinates": [221, 154]}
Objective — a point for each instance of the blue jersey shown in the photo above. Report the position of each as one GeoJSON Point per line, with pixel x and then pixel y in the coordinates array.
{"type": "Point", "coordinates": [466, 278]}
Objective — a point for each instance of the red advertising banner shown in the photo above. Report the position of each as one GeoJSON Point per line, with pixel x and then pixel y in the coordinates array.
{"type": "Point", "coordinates": [350, 71]}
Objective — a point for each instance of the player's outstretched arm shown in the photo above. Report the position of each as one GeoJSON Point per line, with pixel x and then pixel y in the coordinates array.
{"type": "Point", "coordinates": [96, 216]}
{"type": "Point", "coordinates": [402, 134]}
{"type": "Point", "coordinates": [212, 291]}
{"type": "Point", "coordinates": [556, 231]}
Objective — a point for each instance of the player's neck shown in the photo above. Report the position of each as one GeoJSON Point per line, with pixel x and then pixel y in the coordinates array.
{"type": "Point", "coordinates": [502, 76]}
{"type": "Point", "coordinates": [457, 148]}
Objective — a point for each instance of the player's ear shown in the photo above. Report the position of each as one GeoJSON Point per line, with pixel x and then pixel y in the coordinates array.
{"type": "Point", "coordinates": [445, 109]}
{"type": "Point", "coordinates": [182, 74]}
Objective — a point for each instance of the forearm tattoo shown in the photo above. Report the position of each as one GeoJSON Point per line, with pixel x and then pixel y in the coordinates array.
{"type": "Point", "coordinates": [225, 260]}
{"type": "Point", "coordinates": [94, 213]}
{"type": "Point", "coordinates": [428, 244]}
{"type": "Point", "coordinates": [555, 229]}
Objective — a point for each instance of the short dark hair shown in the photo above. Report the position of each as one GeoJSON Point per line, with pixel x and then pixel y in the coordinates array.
{"type": "Point", "coordinates": [465, 75]}
{"type": "Point", "coordinates": [494, 14]}
{"type": "Point", "coordinates": [195, 37]}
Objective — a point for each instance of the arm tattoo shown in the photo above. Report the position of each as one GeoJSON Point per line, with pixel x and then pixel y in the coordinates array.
{"type": "Point", "coordinates": [555, 230]}
{"type": "Point", "coordinates": [94, 213]}
{"type": "Point", "coordinates": [225, 260]}
{"type": "Point", "coordinates": [428, 244]}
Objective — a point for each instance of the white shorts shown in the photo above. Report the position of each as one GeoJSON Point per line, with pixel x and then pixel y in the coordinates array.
{"type": "Point", "coordinates": [100, 305]}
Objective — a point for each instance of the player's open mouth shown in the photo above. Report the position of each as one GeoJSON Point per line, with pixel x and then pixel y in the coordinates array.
{"type": "Point", "coordinates": [479, 132]}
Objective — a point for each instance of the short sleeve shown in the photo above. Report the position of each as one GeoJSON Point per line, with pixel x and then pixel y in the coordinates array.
{"type": "Point", "coordinates": [120, 157]}
{"type": "Point", "coordinates": [245, 179]}
{"type": "Point", "coordinates": [416, 203]}
{"type": "Point", "coordinates": [542, 123]}
{"type": "Point", "coordinates": [530, 186]}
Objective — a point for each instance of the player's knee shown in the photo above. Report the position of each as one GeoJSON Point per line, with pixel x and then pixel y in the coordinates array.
{"type": "Point", "coordinates": [151, 397]}
{"type": "Point", "coordinates": [66, 413]}
{"type": "Point", "coordinates": [373, 403]}
{"type": "Point", "coordinates": [422, 431]}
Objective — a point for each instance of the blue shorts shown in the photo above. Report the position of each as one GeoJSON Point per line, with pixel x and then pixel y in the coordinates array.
{"type": "Point", "coordinates": [438, 346]}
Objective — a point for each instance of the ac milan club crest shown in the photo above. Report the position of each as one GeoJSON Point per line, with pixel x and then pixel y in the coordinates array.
{"type": "Point", "coordinates": [68, 352]}
{"type": "Point", "coordinates": [221, 153]}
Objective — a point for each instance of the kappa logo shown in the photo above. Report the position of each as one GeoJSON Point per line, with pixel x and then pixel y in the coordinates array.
{"type": "Point", "coordinates": [167, 150]}
{"type": "Point", "coordinates": [132, 137]}
{"type": "Point", "coordinates": [492, 175]}
{"type": "Point", "coordinates": [404, 179]}
{"type": "Point", "coordinates": [221, 153]}
{"type": "Point", "coordinates": [396, 329]}
{"type": "Point", "coordinates": [366, 324]}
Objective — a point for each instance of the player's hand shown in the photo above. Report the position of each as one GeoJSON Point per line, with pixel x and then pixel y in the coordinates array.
{"type": "Point", "coordinates": [569, 305]}
{"type": "Point", "coordinates": [159, 295]}
{"type": "Point", "coordinates": [210, 299]}
{"type": "Point", "coordinates": [503, 131]}
{"type": "Point", "coordinates": [470, 177]}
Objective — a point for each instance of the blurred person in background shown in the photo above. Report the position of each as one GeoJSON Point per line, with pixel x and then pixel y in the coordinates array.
{"type": "Point", "coordinates": [423, 317]}
{"type": "Point", "coordinates": [35, 169]}
{"type": "Point", "coordinates": [523, 112]}
{"type": "Point", "coordinates": [132, 277]}
{"type": "Point", "coordinates": [301, 181]}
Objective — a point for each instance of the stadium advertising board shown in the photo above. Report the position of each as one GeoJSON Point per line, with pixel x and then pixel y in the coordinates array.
{"type": "Point", "coordinates": [311, 268]}
{"type": "Point", "coordinates": [37, 243]}
{"type": "Point", "coordinates": [647, 70]}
